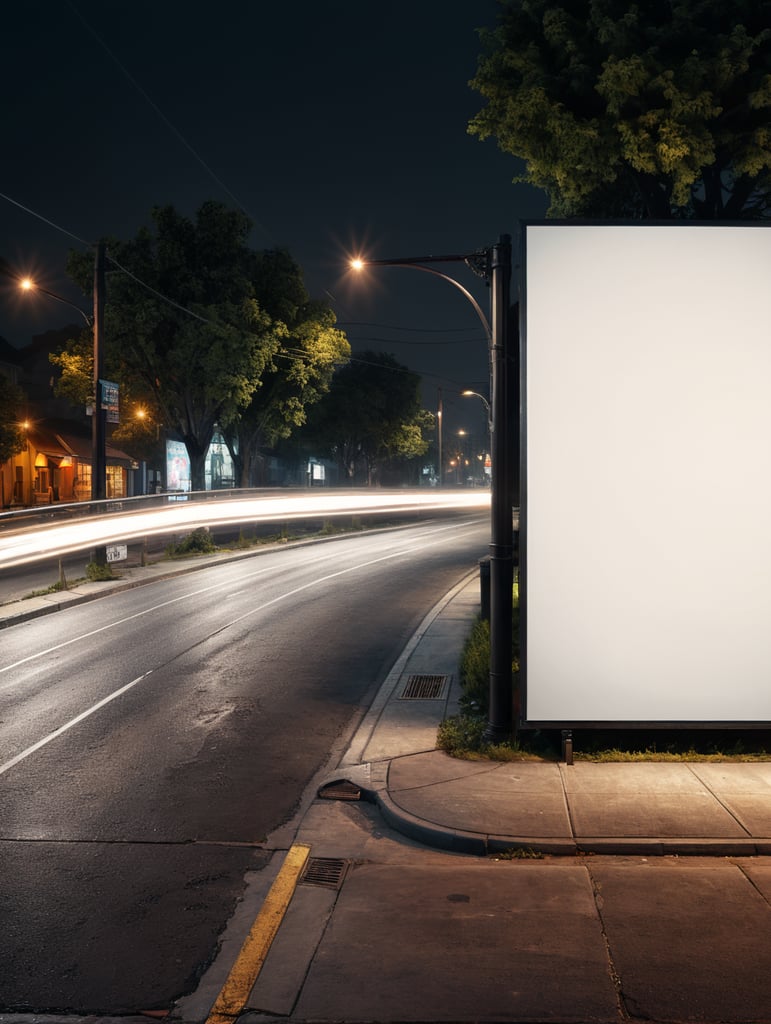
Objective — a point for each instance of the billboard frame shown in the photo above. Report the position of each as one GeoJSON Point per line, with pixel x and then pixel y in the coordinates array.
{"type": "Point", "coordinates": [532, 707]}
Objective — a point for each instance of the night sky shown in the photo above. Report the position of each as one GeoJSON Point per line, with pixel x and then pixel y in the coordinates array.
{"type": "Point", "coordinates": [338, 126]}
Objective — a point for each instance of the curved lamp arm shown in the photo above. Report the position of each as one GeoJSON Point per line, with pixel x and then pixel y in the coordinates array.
{"type": "Point", "coordinates": [28, 285]}
{"type": "Point", "coordinates": [446, 277]}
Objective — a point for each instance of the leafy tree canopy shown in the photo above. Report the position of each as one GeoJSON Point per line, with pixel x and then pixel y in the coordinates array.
{"type": "Point", "coordinates": [371, 416]}
{"type": "Point", "coordinates": [11, 437]}
{"type": "Point", "coordinates": [188, 332]}
{"type": "Point", "coordinates": [301, 370]}
{"type": "Point", "coordinates": [660, 108]}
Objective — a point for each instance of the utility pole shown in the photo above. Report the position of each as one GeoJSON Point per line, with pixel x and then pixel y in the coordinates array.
{"type": "Point", "coordinates": [98, 426]}
{"type": "Point", "coordinates": [99, 419]}
{"type": "Point", "coordinates": [439, 413]}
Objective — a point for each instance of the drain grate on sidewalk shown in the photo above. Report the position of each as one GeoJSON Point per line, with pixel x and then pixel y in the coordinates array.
{"type": "Point", "coordinates": [327, 872]}
{"type": "Point", "coordinates": [424, 687]}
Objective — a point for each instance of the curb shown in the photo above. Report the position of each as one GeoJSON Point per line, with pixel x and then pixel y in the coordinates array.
{"type": "Point", "coordinates": [484, 845]}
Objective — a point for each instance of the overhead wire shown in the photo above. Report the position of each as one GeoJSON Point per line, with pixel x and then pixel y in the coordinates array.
{"type": "Point", "coordinates": [183, 140]}
{"type": "Point", "coordinates": [397, 327]}
{"type": "Point", "coordinates": [45, 220]}
{"type": "Point", "coordinates": [171, 302]}
{"type": "Point", "coordinates": [178, 134]}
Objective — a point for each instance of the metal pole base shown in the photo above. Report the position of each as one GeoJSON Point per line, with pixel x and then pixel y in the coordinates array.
{"type": "Point", "coordinates": [567, 746]}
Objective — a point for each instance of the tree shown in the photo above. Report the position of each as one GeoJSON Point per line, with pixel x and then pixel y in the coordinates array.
{"type": "Point", "coordinates": [371, 417]}
{"type": "Point", "coordinates": [11, 437]}
{"type": "Point", "coordinates": [300, 371]}
{"type": "Point", "coordinates": [183, 326]}
{"type": "Point", "coordinates": [656, 109]}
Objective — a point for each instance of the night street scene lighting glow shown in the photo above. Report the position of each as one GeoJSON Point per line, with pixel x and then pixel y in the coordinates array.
{"type": "Point", "coordinates": [26, 546]}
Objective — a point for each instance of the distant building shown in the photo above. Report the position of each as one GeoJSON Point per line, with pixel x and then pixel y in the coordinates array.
{"type": "Point", "coordinates": [55, 466]}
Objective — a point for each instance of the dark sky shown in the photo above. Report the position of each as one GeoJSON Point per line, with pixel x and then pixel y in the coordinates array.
{"type": "Point", "coordinates": [338, 126]}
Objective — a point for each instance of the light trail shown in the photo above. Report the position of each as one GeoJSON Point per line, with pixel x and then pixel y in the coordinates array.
{"type": "Point", "coordinates": [400, 552]}
{"type": "Point", "coordinates": [54, 540]}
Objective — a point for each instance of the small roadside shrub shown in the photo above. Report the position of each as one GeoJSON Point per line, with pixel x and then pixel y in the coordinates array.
{"type": "Point", "coordinates": [475, 665]}
{"type": "Point", "coordinates": [461, 733]}
{"type": "Point", "coordinates": [96, 572]}
{"type": "Point", "coordinates": [199, 542]}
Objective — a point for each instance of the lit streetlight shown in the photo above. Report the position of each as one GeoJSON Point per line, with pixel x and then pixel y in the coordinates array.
{"type": "Point", "coordinates": [96, 322]}
{"type": "Point", "coordinates": [28, 285]}
{"type": "Point", "coordinates": [468, 393]}
{"type": "Point", "coordinates": [493, 263]}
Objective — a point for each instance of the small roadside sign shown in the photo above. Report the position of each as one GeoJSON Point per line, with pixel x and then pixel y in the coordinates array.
{"type": "Point", "coordinates": [110, 400]}
{"type": "Point", "coordinates": [117, 552]}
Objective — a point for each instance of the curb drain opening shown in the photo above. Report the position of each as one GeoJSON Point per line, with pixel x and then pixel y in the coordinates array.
{"type": "Point", "coordinates": [424, 687]}
{"type": "Point", "coordinates": [340, 789]}
{"type": "Point", "coordinates": [327, 872]}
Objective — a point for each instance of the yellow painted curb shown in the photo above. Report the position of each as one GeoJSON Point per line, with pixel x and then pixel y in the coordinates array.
{"type": "Point", "coordinates": [232, 998]}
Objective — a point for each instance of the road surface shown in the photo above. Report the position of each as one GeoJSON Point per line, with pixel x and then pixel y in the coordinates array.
{"type": "Point", "coordinates": [150, 742]}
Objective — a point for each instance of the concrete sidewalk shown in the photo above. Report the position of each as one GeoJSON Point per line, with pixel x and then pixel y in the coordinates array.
{"type": "Point", "coordinates": [399, 921]}
{"type": "Point", "coordinates": [482, 807]}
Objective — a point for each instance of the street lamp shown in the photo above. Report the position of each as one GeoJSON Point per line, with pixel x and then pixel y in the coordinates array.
{"type": "Point", "coordinates": [468, 393]}
{"type": "Point", "coordinates": [96, 322]}
{"type": "Point", "coordinates": [461, 457]}
{"type": "Point", "coordinates": [493, 263]}
{"type": "Point", "coordinates": [28, 285]}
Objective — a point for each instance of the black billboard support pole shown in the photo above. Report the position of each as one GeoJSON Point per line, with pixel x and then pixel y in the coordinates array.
{"type": "Point", "coordinates": [494, 264]}
{"type": "Point", "coordinates": [500, 713]}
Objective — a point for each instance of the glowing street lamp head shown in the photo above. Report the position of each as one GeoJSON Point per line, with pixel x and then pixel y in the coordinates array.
{"type": "Point", "coordinates": [357, 264]}
{"type": "Point", "coordinates": [27, 284]}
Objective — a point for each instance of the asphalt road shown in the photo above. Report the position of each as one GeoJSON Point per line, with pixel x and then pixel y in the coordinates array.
{"type": "Point", "coordinates": [151, 741]}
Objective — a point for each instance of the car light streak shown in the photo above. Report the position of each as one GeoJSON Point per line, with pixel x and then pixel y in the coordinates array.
{"type": "Point", "coordinates": [79, 638]}
{"type": "Point", "coordinates": [285, 595]}
{"type": "Point", "coordinates": [50, 541]}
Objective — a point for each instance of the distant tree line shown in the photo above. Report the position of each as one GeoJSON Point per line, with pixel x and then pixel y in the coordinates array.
{"type": "Point", "coordinates": [203, 333]}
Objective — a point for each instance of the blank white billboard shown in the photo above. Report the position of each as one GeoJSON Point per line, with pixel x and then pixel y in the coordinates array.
{"type": "Point", "coordinates": [646, 474]}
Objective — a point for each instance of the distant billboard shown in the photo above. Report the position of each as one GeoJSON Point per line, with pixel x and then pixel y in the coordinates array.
{"type": "Point", "coordinates": [645, 539]}
{"type": "Point", "coordinates": [177, 466]}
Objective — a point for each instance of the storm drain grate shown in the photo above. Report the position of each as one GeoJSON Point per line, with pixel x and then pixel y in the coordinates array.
{"type": "Point", "coordinates": [424, 687]}
{"type": "Point", "coordinates": [324, 871]}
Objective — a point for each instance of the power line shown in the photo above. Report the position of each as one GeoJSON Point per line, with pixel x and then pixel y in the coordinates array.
{"type": "Point", "coordinates": [180, 137]}
{"type": "Point", "coordinates": [444, 341]}
{"type": "Point", "coordinates": [395, 327]}
{"type": "Point", "coordinates": [45, 220]}
{"type": "Point", "coordinates": [164, 298]}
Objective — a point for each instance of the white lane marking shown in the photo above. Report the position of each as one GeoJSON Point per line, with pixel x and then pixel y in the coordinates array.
{"type": "Point", "coordinates": [72, 722]}
{"type": "Point", "coordinates": [252, 611]}
{"type": "Point", "coordinates": [191, 594]}
{"type": "Point", "coordinates": [138, 615]}
{"type": "Point", "coordinates": [121, 622]}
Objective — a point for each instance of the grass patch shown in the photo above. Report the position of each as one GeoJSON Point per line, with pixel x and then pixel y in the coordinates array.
{"type": "Point", "coordinates": [245, 541]}
{"type": "Point", "coordinates": [517, 853]}
{"type": "Point", "coordinates": [53, 589]}
{"type": "Point", "coordinates": [462, 735]}
{"type": "Point", "coordinates": [328, 528]}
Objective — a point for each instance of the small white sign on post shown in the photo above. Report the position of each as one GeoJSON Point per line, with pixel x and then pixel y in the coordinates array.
{"type": "Point", "coordinates": [117, 552]}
